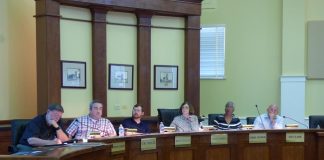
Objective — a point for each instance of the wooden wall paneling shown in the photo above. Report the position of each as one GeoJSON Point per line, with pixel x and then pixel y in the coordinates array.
{"type": "Point", "coordinates": [99, 56]}
{"type": "Point", "coordinates": [144, 62]}
{"type": "Point", "coordinates": [277, 141]}
{"type": "Point", "coordinates": [174, 7]}
{"type": "Point", "coordinates": [48, 54]}
{"type": "Point", "coordinates": [5, 139]}
{"type": "Point", "coordinates": [310, 145]}
{"type": "Point", "coordinates": [192, 62]}
{"type": "Point", "coordinates": [320, 145]}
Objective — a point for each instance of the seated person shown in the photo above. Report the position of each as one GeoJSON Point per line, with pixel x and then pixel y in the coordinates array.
{"type": "Point", "coordinates": [93, 123]}
{"type": "Point", "coordinates": [135, 121]}
{"type": "Point", "coordinates": [270, 120]}
{"type": "Point", "coordinates": [228, 120]}
{"type": "Point", "coordinates": [186, 122]}
{"type": "Point", "coordinates": [45, 129]}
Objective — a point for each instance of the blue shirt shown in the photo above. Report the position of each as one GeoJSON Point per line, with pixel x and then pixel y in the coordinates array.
{"type": "Point", "coordinates": [265, 123]}
{"type": "Point", "coordinates": [141, 127]}
{"type": "Point", "coordinates": [38, 128]}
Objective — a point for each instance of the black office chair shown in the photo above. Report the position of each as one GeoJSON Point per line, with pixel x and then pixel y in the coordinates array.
{"type": "Point", "coordinates": [212, 117]}
{"type": "Point", "coordinates": [17, 130]}
{"type": "Point", "coordinates": [166, 115]}
{"type": "Point", "coordinates": [315, 120]}
{"type": "Point", "coordinates": [250, 120]}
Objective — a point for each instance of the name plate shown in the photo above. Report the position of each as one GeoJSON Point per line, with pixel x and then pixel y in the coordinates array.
{"type": "Point", "coordinates": [148, 144]}
{"type": "Point", "coordinates": [182, 141]}
{"type": "Point", "coordinates": [118, 147]}
{"type": "Point", "coordinates": [258, 138]}
{"type": "Point", "coordinates": [218, 139]}
{"type": "Point", "coordinates": [295, 137]}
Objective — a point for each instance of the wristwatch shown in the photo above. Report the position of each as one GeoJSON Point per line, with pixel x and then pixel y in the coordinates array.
{"type": "Point", "coordinates": [57, 128]}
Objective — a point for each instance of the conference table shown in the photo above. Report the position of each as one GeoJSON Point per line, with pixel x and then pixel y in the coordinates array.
{"type": "Point", "coordinates": [286, 144]}
{"type": "Point", "coordinates": [74, 151]}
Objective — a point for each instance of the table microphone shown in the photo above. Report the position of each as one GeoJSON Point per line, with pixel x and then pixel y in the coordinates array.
{"type": "Point", "coordinates": [296, 121]}
{"type": "Point", "coordinates": [256, 106]}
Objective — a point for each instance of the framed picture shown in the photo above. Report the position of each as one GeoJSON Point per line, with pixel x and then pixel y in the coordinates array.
{"type": "Point", "coordinates": [73, 74]}
{"type": "Point", "coordinates": [120, 77]}
{"type": "Point", "coordinates": [165, 77]}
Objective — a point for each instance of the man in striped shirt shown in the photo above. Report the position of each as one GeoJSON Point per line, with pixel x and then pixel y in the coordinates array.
{"type": "Point", "coordinates": [92, 125]}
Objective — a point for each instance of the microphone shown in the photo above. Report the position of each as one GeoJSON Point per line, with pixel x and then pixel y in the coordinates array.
{"type": "Point", "coordinates": [296, 121]}
{"type": "Point", "coordinates": [256, 106]}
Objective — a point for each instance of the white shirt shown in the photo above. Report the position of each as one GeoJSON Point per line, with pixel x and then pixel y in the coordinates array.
{"type": "Point", "coordinates": [279, 122]}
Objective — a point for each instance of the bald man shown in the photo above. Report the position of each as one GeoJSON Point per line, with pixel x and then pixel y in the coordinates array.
{"type": "Point", "coordinates": [269, 120]}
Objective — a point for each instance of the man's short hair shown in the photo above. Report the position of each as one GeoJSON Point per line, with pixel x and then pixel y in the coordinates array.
{"type": "Point", "coordinates": [92, 103]}
{"type": "Point", "coordinates": [55, 107]}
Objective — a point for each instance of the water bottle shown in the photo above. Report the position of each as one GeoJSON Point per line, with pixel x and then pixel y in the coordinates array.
{"type": "Point", "coordinates": [201, 126]}
{"type": "Point", "coordinates": [161, 127]}
{"type": "Point", "coordinates": [121, 131]}
{"type": "Point", "coordinates": [318, 127]}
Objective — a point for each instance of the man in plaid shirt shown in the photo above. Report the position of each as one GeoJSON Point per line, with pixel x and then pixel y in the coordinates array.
{"type": "Point", "coordinates": [84, 126]}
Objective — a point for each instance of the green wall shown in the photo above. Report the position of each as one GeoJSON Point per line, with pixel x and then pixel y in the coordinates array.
{"type": "Point", "coordinates": [167, 49]}
{"type": "Point", "coordinates": [122, 49]}
{"type": "Point", "coordinates": [254, 64]}
{"type": "Point", "coordinates": [76, 46]}
{"type": "Point", "coordinates": [18, 59]}
{"type": "Point", "coordinates": [253, 56]}
{"type": "Point", "coordinates": [314, 88]}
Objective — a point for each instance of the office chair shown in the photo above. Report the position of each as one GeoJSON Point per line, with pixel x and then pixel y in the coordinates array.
{"type": "Point", "coordinates": [315, 120]}
{"type": "Point", "coordinates": [17, 130]}
{"type": "Point", "coordinates": [166, 115]}
{"type": "Point", "coordinates": [250, 120]}
{"type": "Point", "coordinates": [212, 117]}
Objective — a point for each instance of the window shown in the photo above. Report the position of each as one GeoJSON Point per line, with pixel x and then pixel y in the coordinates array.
{"type": "Point", "coordinates": [212, 52]}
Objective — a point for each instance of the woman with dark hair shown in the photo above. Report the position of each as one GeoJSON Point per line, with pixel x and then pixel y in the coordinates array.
{"type": "Point", "coordinates": [186, 122]}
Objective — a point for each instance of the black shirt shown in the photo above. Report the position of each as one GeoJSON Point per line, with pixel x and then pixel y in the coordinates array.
{"type": "Point", "coordinates": [141, 127]}
{"type": "Point", "coordinates": [39, 128]}
{"type": "Point", "coordinates": [221, 123]}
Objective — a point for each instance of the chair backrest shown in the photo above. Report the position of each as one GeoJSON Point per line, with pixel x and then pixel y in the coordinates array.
{"type": "Point", "coordinates": [315, 120]}
{"type": "Point", "coordinates": [17, 129]}
{"type": "Point", "coordinates": [166, 115]}
{"type": "Point", "coordinates": [250, 120]}
{"type": "Point", "coordinates": [212, 117]}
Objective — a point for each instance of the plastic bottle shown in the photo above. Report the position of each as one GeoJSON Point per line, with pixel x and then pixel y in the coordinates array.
{"type": "Point", "coordinates": [161, 127]}
{"type": "Point", "coordinates": [121, 131]}
{"type": "Point", "coordinates": [318, 127]}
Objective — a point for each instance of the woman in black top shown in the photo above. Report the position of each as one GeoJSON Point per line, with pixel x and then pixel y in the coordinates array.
{"type": "Point", "coordinates": [228, 120]}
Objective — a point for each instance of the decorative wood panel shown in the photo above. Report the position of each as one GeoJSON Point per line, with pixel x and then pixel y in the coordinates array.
{"type": "Point", "coordinates": [293, 152]}
{"type": "Point", "coordinates": [192, 62]}
{"type": "Point", "coordinates": [147, 156]}
{"type": "Point", "coordinates": [218, 154]}
{"type": "Point", "coordinates": [48, 46]}
{"type": "Point", "coordinates": [99, 60]}
{"type": "Point", "coordinates": [144, 61]}
{"type": "Point", "coordinates": [183, 154]}
{"type": "Point", "coordinates": [48, 54]}
{"type": "Point", "coordinates": [256, 152]}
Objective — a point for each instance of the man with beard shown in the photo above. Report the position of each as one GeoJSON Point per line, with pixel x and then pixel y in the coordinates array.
{"type": "Point", "coordinates": [135, 121]}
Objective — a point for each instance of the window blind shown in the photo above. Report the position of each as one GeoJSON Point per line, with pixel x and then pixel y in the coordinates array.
{"type": "Point", "coordinates": [212, 52]}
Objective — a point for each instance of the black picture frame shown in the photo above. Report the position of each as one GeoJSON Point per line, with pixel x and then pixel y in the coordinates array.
{"type": "Point", "coordinates": [165, 77]}
{"type": "Point", "coordinates": [73, 74]}
{"type": "Point", "coordinates": [120, 76]}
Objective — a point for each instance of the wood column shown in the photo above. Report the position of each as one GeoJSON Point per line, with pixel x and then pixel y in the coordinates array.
{"type": "Point", "coordinates": [99, 57]}
{"type": "Point", "coordinates": [192, 62]}
{"type": "Point", "coordinates": [144, 62]}
{"type": "Point", "coordinates": [48, 54]}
